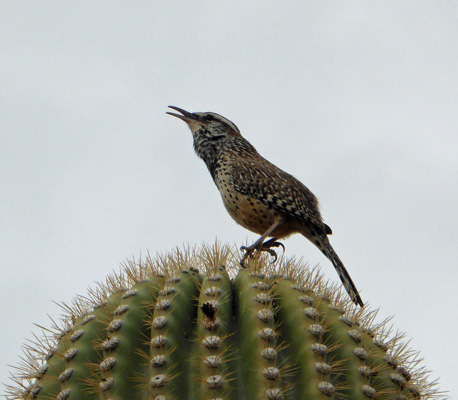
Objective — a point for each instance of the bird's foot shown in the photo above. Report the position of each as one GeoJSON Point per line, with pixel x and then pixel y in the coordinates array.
{"type": "Point", "coordinates": [266, 246]}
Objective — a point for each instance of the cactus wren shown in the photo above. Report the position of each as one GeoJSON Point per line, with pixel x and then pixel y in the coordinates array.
{"type": "Point", "coordinates": [257, 194]}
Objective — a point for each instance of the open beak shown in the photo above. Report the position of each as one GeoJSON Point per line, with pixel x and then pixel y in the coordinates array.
{"type": "Point", "coordinates": [186, 117]}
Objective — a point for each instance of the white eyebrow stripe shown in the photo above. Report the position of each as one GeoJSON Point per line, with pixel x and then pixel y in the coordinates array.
{"type": "Point", "coordinates": [220, 118]}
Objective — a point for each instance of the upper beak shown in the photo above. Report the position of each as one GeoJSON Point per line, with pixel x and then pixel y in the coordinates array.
{"type": "Point", "coordinates": [186, 117]}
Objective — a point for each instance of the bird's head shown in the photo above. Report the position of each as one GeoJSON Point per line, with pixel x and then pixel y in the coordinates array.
{"type": "Point", "coordinates": [207, 125]}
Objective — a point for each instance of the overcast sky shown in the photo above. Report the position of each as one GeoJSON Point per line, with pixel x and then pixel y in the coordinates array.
{"type": "Point", "coordinates": [357, 99]}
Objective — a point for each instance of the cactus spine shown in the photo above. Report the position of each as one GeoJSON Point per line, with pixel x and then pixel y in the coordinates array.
{"type": "Point", "coordinates": [193, 325]}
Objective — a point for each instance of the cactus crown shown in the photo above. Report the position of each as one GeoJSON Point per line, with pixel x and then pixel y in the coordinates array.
{"type": "Point", "coordinates": [192, 325]}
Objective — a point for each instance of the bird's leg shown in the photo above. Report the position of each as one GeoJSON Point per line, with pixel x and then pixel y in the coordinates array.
{"type": "Point", "coordinates": [261, 246]}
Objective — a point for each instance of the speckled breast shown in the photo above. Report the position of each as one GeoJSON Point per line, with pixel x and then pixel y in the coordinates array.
{"type": "Point", "coordinates": [246, 211]}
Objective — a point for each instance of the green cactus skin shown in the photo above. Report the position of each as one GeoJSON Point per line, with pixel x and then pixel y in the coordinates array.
{"type": "Point", "coordinates": [193, 325]}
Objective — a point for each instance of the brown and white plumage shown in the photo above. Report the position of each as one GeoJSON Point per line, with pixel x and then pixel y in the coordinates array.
{"type": "Point", "coordinates": [257, 194]}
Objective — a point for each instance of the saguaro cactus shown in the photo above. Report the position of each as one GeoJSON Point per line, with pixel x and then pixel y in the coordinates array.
{"type": "Point", "coordinates": [193, 325]}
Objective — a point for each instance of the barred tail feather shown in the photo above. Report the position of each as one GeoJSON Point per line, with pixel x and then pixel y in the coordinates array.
{"type": "Point", "coordinates": [343, 273]}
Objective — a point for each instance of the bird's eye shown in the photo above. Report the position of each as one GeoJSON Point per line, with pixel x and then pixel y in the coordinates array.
{"type": "Point", "coordinates": [209, 118]}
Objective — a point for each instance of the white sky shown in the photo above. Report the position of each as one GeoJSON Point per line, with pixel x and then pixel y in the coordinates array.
{"type": "Point", "coordinates": [358, 99]}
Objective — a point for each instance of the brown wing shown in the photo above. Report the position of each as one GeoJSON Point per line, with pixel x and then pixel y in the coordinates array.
{"type": "Point", "coordinates": [277, 189]}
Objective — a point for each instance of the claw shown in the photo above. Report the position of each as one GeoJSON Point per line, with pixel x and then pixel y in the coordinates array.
{"type": "Point", "coordinates": [248, 252]}
{"type": "Point", "coordinates": [278, 244]}
{"type": "Point", "coordinates": [273, 254]}
{"type": "Point", "coordinates": [266, 246]}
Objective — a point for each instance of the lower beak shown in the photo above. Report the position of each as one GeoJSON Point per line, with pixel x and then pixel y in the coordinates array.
{"type": "Point", "coordinates": [186, 117]}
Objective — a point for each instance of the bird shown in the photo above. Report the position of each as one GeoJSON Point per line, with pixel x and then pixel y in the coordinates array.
{"type": "Point", "coordinates": [257, 194]}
